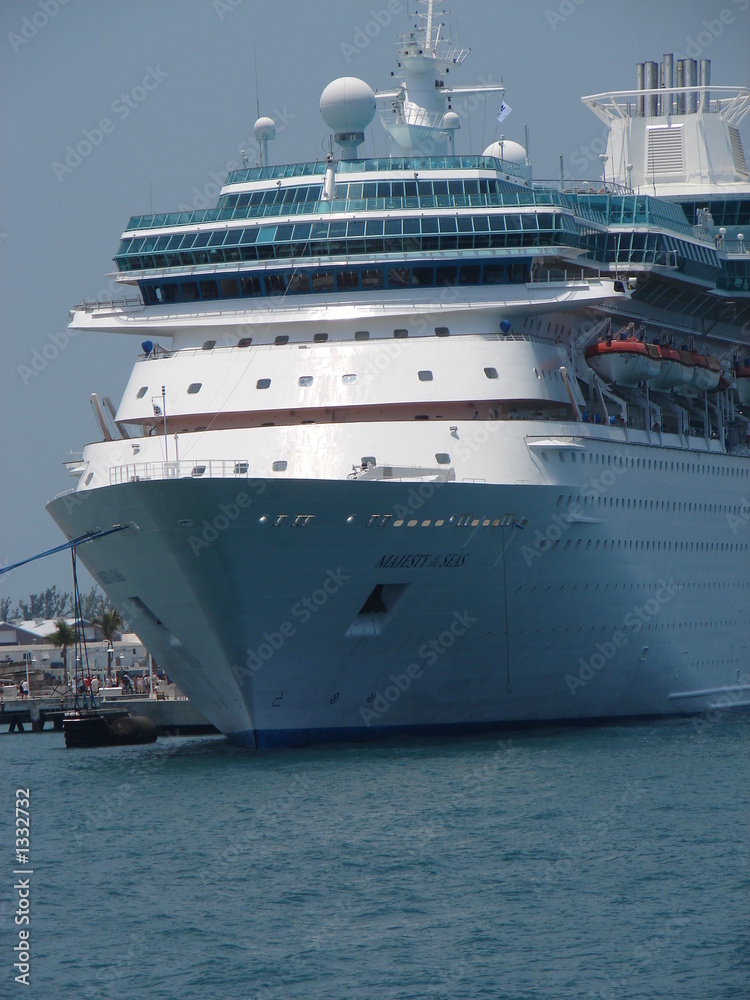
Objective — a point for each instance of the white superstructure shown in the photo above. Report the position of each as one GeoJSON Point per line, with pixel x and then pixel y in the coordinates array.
{"type": "Point", "coordinates": [368, 480]}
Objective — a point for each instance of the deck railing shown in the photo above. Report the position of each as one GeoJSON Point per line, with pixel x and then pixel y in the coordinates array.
{"type": "Point", "coordinates": [211, 468]}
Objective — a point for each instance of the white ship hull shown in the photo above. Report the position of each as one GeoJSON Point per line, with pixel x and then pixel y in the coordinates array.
{"type": "Point", "coordinates": [613, 600]}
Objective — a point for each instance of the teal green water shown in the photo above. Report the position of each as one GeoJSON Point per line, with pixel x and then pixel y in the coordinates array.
{"type": "Point", "coordinates": [606, 862]}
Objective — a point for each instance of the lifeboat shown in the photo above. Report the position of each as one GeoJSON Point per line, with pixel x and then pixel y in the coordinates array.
{"type": "Point", "coordinates": [742, 377]}
{"type": "Point", "coordinates": [624, 362]}
{"type": "Point", "coordinates": [706, 373]}
{"type": "Point", "coordinates": [673, 374]}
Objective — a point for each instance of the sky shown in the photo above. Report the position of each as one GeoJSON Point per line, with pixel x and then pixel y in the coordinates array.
{"type": "Point", "coordinates": [160, 96]}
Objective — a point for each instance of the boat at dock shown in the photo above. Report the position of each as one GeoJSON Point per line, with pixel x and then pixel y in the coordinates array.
{"type": "Point", "coordinates": [383, 464]}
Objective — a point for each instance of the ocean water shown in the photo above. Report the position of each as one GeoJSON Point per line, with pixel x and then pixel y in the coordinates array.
{"type": "Point", "coordinates": [593, 862]}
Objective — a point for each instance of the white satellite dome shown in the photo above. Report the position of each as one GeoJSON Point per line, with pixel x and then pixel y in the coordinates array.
{"type": "Point", "coordinates": [347, 104]}
{"type": "Point", "coordinates": [508, 150]}
{"type": "Point", "coordinates": [264, 129]}
{"type": "Point", "coordinates": [451, 120]}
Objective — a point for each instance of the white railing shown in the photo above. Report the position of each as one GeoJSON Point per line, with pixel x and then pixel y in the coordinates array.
{"type": "Point", "coordinates": [211, 468]}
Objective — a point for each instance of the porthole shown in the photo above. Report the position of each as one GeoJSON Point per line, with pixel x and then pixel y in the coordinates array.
{"type": "Point", "coordinates": [209, 345]}
{"type": "Point", "coordinates": [491, 373]}
{"type": "Point", "coordinates": [88, 478]}
{"type": "Point", "coordinates": [194, 387]}
{"type": "Point", "coordinates": [244, 341]}
{"type": "Point", "coordinates": [281, 340]}
{"type": "Point", "coordinates": [279, 466]}
{"type": "Point", "coordinates": [349, 379]}
{"type": "Point", "coordinates": [400, 334]}
{"type": "Point", "coordinates": [262, 383]}
{"type": "Point", "coordinates": [320, 338]}
{"type": "Point", "coordinates": [141, 392]}
{"type": "Point", "coordinates": [442, 331]}
{"type": "Point", "coordinates": [305, 380]}
{"type": "Point", "coordinates": [442, 458]}
{"type": "Point", "coordinates": [362, 335]}
{"type": "Point", "coordinates": [425, 376]}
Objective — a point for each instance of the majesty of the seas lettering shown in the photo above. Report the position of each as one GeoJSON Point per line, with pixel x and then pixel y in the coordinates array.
{"type": "Point", "coordinates": [422, 560]}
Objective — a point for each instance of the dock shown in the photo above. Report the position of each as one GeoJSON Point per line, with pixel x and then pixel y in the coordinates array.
{"type": "Point", "coordinates": [172, 717]}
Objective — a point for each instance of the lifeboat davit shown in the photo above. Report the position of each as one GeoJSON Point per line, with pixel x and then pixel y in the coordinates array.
{"type": "Point", "coordinates": [742, 376]}
{"type": "Point", "coordinates": [624, 362]}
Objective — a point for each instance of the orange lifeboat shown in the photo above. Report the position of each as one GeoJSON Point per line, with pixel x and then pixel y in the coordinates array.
{"type": "Point", "coordinates": [624, 362]}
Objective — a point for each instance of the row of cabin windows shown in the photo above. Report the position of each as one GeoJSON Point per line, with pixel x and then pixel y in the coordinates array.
{"type": "Point", "coordinates": [358, 190]}
{"type": "Point", "coordinates": [305, 381]}
{"type": "Point", "coordinates": [334, 239]}
{"type": "Point", "coordinates": [334, 280]}
{"type": "Point", "coordinates": [655, 464]}
{"type": "Point", "coordinates": [322, 338]}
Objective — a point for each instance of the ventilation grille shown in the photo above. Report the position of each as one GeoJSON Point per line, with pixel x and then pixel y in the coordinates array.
{"type": "Point", "coordinates": [738, 153]}
{"type": "Point", "coordinates": [664, 153]}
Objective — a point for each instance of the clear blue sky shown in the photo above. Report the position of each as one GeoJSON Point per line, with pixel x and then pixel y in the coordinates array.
{"type": "Point", "coordinates": [67, 66]}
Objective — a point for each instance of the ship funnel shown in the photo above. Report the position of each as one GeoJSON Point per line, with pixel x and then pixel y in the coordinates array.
{"type": "Point", "coordinates": [668, 72]}
{"type": "Point", "coordinates": [640, 110]}
{"type": "Point", "coordinates": [652, 83]}
{"type": "Point", "coordinates": [680, 82]}
{"type": "Point", "coordinates": [704, 81]}
{"type": "Point", "coordinates": [691, 80]}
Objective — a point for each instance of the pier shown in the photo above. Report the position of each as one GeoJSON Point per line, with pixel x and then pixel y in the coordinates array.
{"type": "Point", "coordinates": [172, 717]}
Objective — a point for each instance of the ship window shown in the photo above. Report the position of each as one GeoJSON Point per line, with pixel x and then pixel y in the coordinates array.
{"type": "Point", "coordinates": [372, 278]}
{"type": "Point", "coordinates": [442, 458]}
{"type": "Point", "coordinates": [281, 340]}
{"type": "Point", "coordinates": [469, 274]}
{"type": "Point", "coordinates": [493, 274]}
{"type": "Point", "coordinates": [400, 334]}
{"type": "Point", "coordinates": [229, 288]}
{"type": "Point", "coordinates": [279, 466]}
{"type": "Point", "coordinates": [442, 331]}
{"type": "Point", "coordinates": [198, 470]}
{"type": "Point", "coordinates": [89, 478]}
{"type": "Point", "coordinates": [305, 380]}
{"type": "Point", "coordinates": [348, 379]}
{"type": "Point", "coordinates": [240, 468]}
{"type": "Point", "coordinates": [322, 281]}
{"type": "Point", "coordinates": [368, 460]}
{"type": "Point", "coordinates": [141, 392]}
{"type": "Point", "coordinates": [262, 383]}
{"type": "Point", "coordinates": [209, 290]}
{"type": "Point", "coordinates": [209, 345]}
{"type": "Point", "coordinates": [244, 341]}
{"type": "Point", "coordinates": [425, 376]}
{"type": "Point", "coordinates": [194, 387]}
{"type": "Point", "coordinates": [422, 276]}
{"type": "Point", "coordinates": [491, 373]}
{"type": "Point", "coordinates": [362, 335]}
{"type": "Point", "coordinates": [190, 291]}
{"type": "Point", "coordinates": [275, 284]}
{"type": "Point", "coordinates": [320, 338]}
{"type": "Point", "coordinates": [299, 283]}
{"type": "Point", "coordinates": [398, 277]}
{"type": "Point", "coordinates": [346, 280]}
{"type": "Point", "coordinates": [250, 286]}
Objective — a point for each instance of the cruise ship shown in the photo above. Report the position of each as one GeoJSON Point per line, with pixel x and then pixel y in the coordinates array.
{"type": "Point", "coordinates": [422, 444]}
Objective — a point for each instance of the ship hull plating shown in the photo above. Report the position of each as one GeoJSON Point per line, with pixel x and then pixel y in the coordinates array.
{"type": "Point", "coordinates": [299, 611]}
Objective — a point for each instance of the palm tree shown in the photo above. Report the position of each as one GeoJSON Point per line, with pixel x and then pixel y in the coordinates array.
{"type": "Point", "coordinates": [64, 637]}
{"type": "Point", "coordinates": [110, 622]}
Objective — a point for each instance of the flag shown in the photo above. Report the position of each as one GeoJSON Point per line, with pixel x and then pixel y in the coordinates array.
{"type": "Point", "coordinates": [503, 113]}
